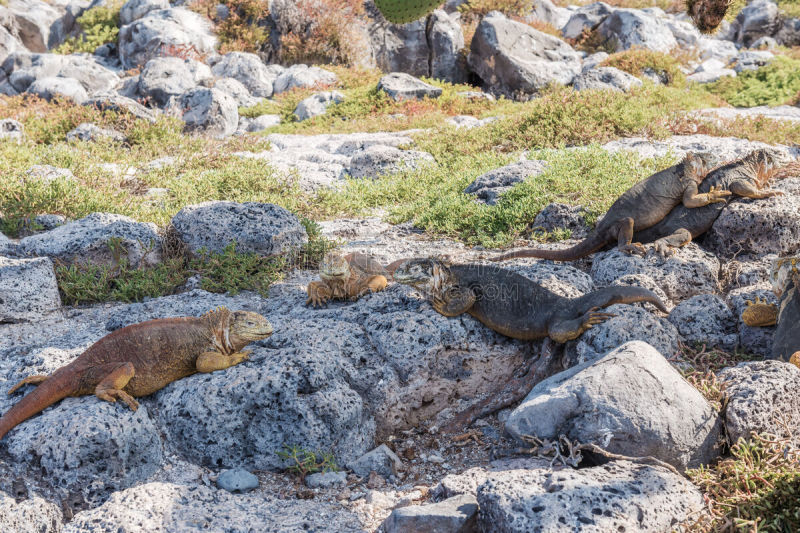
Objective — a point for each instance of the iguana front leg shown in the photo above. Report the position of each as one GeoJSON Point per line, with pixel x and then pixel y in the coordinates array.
{"type": "Point", "coordinates": [318, 293]}
{"type": "Point", "coordinates": [454, 301]}
{"type": "Point", "coordinates": [373, 284]}
{"type": "Point", "coordinates": [211, 361]}
{"type": "Point", "coordinates": [665, 246]}
{"type": "Point", "coordinates": [563, 330]}
{"type": "Point", "coordinates": [110, 387]}
{"type": "Point", "coordinates": [30, 380]}
{"type": "Point", "coordinates": [625, 236]}
{"type": "Point", "coordinates": [748, 189]}
{"type": "Point", "coordinates": [760, 313]}
{"type": "Point", "coordinates": [692, 198]}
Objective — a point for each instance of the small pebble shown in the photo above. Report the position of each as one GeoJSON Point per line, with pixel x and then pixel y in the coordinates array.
{"type": "Point", "coordinates": [237, 480]}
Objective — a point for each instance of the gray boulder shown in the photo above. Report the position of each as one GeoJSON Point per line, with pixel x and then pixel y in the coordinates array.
{"type": "Point", "coordinates": [375, 161]}
{"type": "Point", "coordinates": [303, 76]}
{"type": "Point", "coordinates": [49, 88]}
{"type": "Point", "coordinates": [706, 319]}
{"type": "Point", "coordinates": [210, 112]}
{"type": "Point", "coordinates": [7, 246]}
{"type": "Point", "coordinates": [151, 35]}
{"type": "Point", "coordinates": [47, 174]}
{"type": "Point", "coordinates": [133, 10]}
{"type": "Point", "coordinates": [709, 76]}
{"type": "Point", "coordinates": [453, 515]}
{"type": "Point", "coordinates": [89, 132]}
{"type": "Point", "coordinates": [605, 78]}
{"type": "Point", "coordinates": [24, 69]}
{"type": "Point", "coordinates": [165, 77]}
{"type": "Point", "coordinates": [446, 41]}
{"type": "Point", "coordinates": [508, 67]}
{"type": "Point", "coordinates": [49, 221]}
{"type": "Point", "coordinates": [689, 272]}
{"type": "Point", "coordinates": [28, 289]}
{"type": "Point", "coordinates": [401, 47]}
{"type": "Point", "coordinates": [237, 480]}
{"type": "Point", "coordinates": [617, 496]}
{"type": "Point", "coordinates": [248, 69]}
{"type": "Point", "coordinates": [381, 460]}
{"type": "Point", "coordinates": [757, 19]}
{"type": "Point", "coordinates": [238, 91]}
{"type": "Point", "coordinates": [39, 25]}
{"type": "Point", "coordinates": [547, 11]}
{"type": "Point", "coordinates": [770, 225]}
{"type": "Point", "coordinates": [402, 86]}
{"type": "Point", "coordinates": [789, 32]}
{"type": "Point", "coordinates": [263, 122]}
{"type": "Point", "coordinates": [326, 480]}
{"type": "Point", "coordinates": [490, 186]}
{"type": "Point", "coordinates": [118, 447]}
{"type": "Point", "coordinates": [586, 18]}
{"type": "Point", "coordinates": [316, 105]}
{"type": "Point", "coordinates": [556, 216]}
{"type": "Point", "coordinates": [631, 323]}
{"type": "Point", "coordinates": [468, 121]}
{"type": "Point", "coordinates": [762, 398]}
{"type": "Point", "coordinates": [632, 28]}
{"type": "Point", "coordinates": [12, 130]}
{"type": "Point", "coordinates": [752, 60]}
{"type": "Point", "coordinates": [158, 507]}
{"type": "Point", "coordinates": [121, 104]}
{"type": "Point", "coordinates": [631, 402]}
{"type": "Point", "coordinates": [8, 45]}
{"type": "Point", "coordinates": [89, 240]}
{"type": "Point", "coordinates": [265, 229]}
{"type": "Point", "coordinates": [32, 515]}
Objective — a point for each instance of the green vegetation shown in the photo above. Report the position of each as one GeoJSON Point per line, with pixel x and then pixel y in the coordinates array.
{"type": "Point", "coordinates": [100, 25]}
{"type": "Point", "coordinates": [789, 8]}
{"type": "Point", "coordinates": [636, 62]}
{"type": "Point", "coordinates": [304, 462]}
{"type": "Point", "coordinates": [755, 489]}
{"type": "Point", "coordinates": [774, 84]}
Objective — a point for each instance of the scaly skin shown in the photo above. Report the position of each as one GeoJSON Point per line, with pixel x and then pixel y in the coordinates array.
{"type": "Point", "coordinates": [510, 303]}
{"type": "Point", "coordinates": [786, 285]}
{"type": "Point", "coordinates": [744, 178]}
{"type": "Point", "coordinates": [346, 277]}
{"type": "Point", "coordinates": [640, 207]}
{"type": "Point", "coordinates": [140, 359]}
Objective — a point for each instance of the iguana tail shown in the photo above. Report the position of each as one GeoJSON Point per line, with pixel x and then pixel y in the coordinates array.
{"type": "Point", "coordinates": [617, 295]}
{"type": "Point", "coordinates": [57, 387]}
{"type": "Point", "coordinates": [587, 246]}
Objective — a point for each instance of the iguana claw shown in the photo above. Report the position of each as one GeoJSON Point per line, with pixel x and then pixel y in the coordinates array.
{"type": "Point", "coordinates": [634, 248]}
{"type": "Point", "coordinates": [716, 195]}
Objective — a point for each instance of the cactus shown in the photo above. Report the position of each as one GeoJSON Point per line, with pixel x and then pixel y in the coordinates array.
{"type": "Point", "coordinates": [402, 11]}
{"type": "Point", "coordinates": [707, 14]}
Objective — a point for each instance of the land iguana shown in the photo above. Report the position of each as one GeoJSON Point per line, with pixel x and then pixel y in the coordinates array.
{"type": "Point", "coordinates": [640, 207]}
{"type": "Point", "coordinates": [786, 285]}
{"type": "Point", "coordinates": [346, 277]}
{"type": "Point", "coordinates": [745, 177]}
{"type": "Point", "coordinates": [512, 304]}
{"type": "Point", "coordinates": [140, 359]}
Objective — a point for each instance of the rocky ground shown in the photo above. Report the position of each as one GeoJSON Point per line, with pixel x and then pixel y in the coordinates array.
{"type": "Point", "coordinates": [127, 173]}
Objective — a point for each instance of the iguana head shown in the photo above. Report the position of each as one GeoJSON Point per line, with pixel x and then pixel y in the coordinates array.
{"type": "Point", "coordinates": [698, 165]}
{"type": "Point", "coordinates": [428, 275]}
{"type": "Point", "coordinates": [784, 271]}
{"type": "Point", "coordinates": [246, 327]}
{"type": "Point", "coordinates": [334, 267]}
{"type": "Point", "coordinates": [707, 14]}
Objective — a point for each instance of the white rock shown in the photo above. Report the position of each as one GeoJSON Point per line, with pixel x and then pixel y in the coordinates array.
{"type": "Point", "coordinates": [28, 289]}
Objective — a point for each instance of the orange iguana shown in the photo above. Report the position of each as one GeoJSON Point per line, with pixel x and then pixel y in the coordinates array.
{"type": "Point", "coordinates": [140, 359]}
{"type": "Point", "coordinates": [346, 277]}
{"type": "Point", "coordinates": [640, 207]}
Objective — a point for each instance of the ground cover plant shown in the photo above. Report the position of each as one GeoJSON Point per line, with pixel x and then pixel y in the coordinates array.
{"type": "Point", "coordinates": [774, 84]}
{"type": "Point", "coordinates": [99, 26]}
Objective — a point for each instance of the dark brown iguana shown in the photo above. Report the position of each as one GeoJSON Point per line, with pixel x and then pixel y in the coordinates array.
{"type": "Point", "coordinates": [346, 277]}
{"type": "Point", "coordinates": [140, 359]}
{"type": "Point", "coordinates": [786, 284]}
{"type": "Point", "coordinates": [640, 207]}
{"type": "Point", "coordinates": [512, 304]}
{"type": "Point", "coordinates": [745, 177]}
